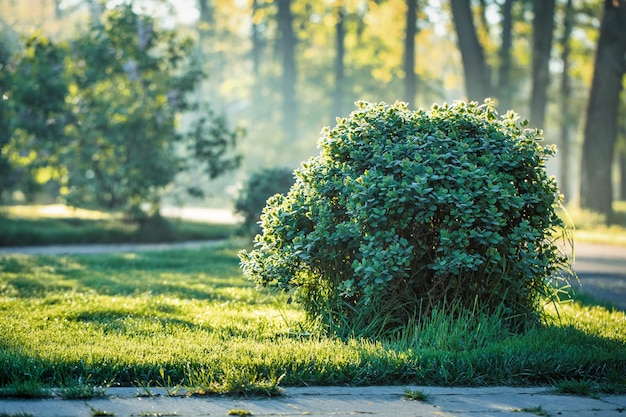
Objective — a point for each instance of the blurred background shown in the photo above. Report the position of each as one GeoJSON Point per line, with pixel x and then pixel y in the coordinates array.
{"type": "Point", "coordinates": [144, 105]}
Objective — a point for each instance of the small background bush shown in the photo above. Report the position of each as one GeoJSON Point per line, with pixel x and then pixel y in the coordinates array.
{"type": "Point", "coordinates": [255, 192]}
{"type": "Point", "coordinates": [408, 212]}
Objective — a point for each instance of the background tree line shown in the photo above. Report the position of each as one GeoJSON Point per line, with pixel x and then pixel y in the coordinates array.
{"type": "Point", "coordinates": [286, 68]}
{"type": "Point", "coordinates": [96, 116]}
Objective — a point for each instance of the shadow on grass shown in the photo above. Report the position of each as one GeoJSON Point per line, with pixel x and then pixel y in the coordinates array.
{"type": "Point", "coordinates": [183, 274]}
{"type": "Point", "coordinates": [544, 357]}
{"type": "Point", "coordinates": [157, 285]}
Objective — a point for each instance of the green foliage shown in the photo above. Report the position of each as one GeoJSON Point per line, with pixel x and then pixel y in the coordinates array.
{"type": "Point", "coordinates": [5, 83]}
{"type": "Point", "coordinates": [130, 82]}
{"type": "Point", "coordinates": [404, 212]}
{"type": "Point", "coordinates": [102, 118]}
{"type": "Point", "coordinates": [211, 139]}
{"type": "Point", "coordinates": [258, 188]}
{"type": "Point", "coordinates": [33, 112]}
{"type": "Point", "coordinates": [41, 93]}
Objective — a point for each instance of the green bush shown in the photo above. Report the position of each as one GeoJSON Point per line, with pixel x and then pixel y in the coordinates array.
{"type": "Point", "coordinates": [255, 192]}
{"type": "Point", "coordinates": [407, 212]}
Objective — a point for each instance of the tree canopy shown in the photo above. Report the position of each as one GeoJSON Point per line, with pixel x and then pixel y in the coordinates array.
{"type": "Point", "coordinates": [99, 113]}
{"type": "Point", "coordinates": [285, 69]}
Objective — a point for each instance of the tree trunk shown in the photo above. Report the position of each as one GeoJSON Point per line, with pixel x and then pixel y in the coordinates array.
{"type": "Point", "coordinates": [477, 82]}
{"type": "Point", "coordinates": [256, 54]}
{"type": "Point", "coordinates": [288, 82]}
{"type": "Point", "coordinates": [95, 10]}
{"type": "Point", "coordinates": [567, 121]}
{"type": "Point", "coordinates": [622, 175]}
{"type": "Point", "coordinates": [58, 11]}
{"type": "Point", "coordinates": [340, 37]}
{"type": "Point", "coordinates": [205, 25]}
{"type": "Point", "coordinates": [482, 13]}
{"type": "Point", "coordinates": [257, 44]}
{"type": "Point", "coordinates": [600, 128]}
{"type": "Point", "coordinates": [410, 78]}
{"type": "Point", "coordinates": [543, 28]}
{"type": "Point", "coordinates": [505, 92]}
{"type": "Point", "coordinates": [205, 51]}
{"type": "Point", "coordinates": [206, 11]}
{"type": "Point", "coordinates": [621, 153]}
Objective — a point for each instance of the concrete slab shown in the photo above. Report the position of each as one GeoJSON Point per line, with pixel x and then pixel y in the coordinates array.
{"type": "Point", "coordinates": [331, 402]}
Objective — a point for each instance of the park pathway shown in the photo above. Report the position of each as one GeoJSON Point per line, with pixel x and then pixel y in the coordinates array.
{"type": "Point", "coordinates": [602, 272]}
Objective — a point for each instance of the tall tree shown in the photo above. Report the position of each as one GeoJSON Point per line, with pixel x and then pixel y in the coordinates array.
{"type": "Point", "coordinates": [205, 24]}
{"type": "Point", "coordinates": [567, 119]}
{"type": "Point", "coordinates": [477, 81]}
{"type": "Point", "coordinates": [288, 82]}
{"type": "Point", "coordinates": [256, 53]}
{"type": "Point", "coordinates": [206, 35]}
{"type": "Point", "coordinates": [257, 41]}
{"type": "Point", "coordinates": [130, 82]}
{"type": "Point", "coordinates": [622, 168]}
{"type": "Point", "coordinates": [543, 29]}
{"type": "Point", "coordinates": [482, 14]}
{"type": "Point", "coordinates": [410, 78]}
{"type": "Point", "coordinates": [504, 71]}
{"type": "Point", "coordinates": [620, 148]}
{"type": "Point", "coordinates": [58, 10]}
{"type": "Point", "coordinates": [601, 124]}
{"type": "Point", "coordinates": [206, 11]}
{"type": "Point", "coordinates": [340, 45]}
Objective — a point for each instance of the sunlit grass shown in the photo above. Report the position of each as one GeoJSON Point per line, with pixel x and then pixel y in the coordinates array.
{"type": "Point", "coordinates": [59, 211]}
{"type": "Point", "coordinates": [591, 227]}
{"type": "Point", "coordinates": [59, 224]}
{"type": "Point", "coordinates": [189, 319]}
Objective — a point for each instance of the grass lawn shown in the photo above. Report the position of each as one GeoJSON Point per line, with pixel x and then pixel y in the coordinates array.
{"type": "Point", "coordinates": [57, 224]}
{"type": "Point", "coordinates": [592, 228]}
{"type": "Point", "coordinates": [190, 319]}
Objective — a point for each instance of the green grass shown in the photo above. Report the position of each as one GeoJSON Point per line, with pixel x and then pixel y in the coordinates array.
{"type": "Point", "coordinates": [46, 225]}
{"type": "Point", "coordinates": [80, 390]}
{"type": "Point", "coordinates": [25, 388]}
{"type": "Point", "coordinates": [190, 320]}
{"type": "Point", "coordinates": [415, 395]}
{"type": "Point", "coordinates": [239, 412]}
{"type": "Point", "coordinates": [538, 411]}
{"type": "Point", "coordinates": [95, 412]}
{"type": "Point", "coordinates": [591, 227]}
{"type": "Point", "coordinates": [581, 388]}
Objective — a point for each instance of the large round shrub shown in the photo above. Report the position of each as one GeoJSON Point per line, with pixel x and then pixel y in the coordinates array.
{"type": "Point", "coordinates": [404, 212]}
